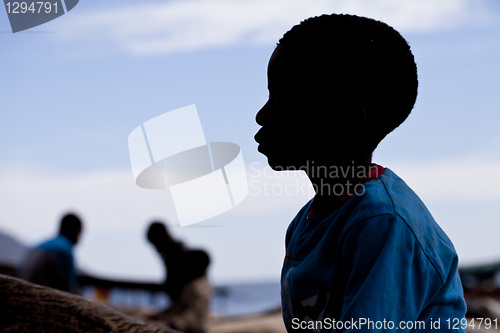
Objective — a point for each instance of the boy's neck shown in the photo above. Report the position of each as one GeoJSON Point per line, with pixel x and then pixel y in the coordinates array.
{"type": "Point", "coordinates": [337, 179]}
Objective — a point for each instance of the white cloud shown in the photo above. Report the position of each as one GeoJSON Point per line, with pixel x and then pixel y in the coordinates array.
{"type": "Point", "coordinates": [187, 25]}
{"type": "Point", "coordinates": [465, 179]}
{"type": "Point", "coordinates": [34, 200]}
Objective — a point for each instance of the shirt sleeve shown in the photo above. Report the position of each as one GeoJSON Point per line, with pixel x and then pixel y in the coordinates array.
{"type": "Point", "coordinates": [388, 278]}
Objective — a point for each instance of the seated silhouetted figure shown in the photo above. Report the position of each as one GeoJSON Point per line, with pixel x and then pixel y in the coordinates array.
{"type": "Point", "coordinates": [186, 284]}
{"type": "Point", "coordinates": [51, 263]}
{"type": "Point", "coordinates": [365, 247]}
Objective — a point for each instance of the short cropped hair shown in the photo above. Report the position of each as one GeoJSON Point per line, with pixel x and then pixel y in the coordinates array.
{"type": "Point", "coordinates": [364, 60]}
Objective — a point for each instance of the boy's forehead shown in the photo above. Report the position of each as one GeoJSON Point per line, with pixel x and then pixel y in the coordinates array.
{"type": "Point", "coordinates": [288, 70]}
{"type": "Point", "coordinates": [273, 64]}
{"type": "Point", "coordinates": [281, 67]}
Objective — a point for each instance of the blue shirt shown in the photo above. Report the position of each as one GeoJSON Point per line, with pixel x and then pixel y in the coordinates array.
{"type": "Point", "coordinates": [379, 263]}
{"type": "Point", "coordinates": [61, 249]}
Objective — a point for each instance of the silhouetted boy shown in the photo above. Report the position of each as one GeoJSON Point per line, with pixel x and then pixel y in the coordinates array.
{"type": "Point", "coordinates": [365, 255]}
{"type": "Point", "coordinates": [51, 263]}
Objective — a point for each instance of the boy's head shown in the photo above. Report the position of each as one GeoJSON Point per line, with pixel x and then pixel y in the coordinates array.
{"type": "Point", "coordinates": [71, 227]}
{"type": "Point", "coordinates": [338, 84]}
{"type": "Point", "coordinates": [159, 236]}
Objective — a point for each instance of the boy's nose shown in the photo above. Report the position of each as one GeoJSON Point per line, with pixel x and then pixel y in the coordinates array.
{"type": "Point", "coordinates": [263, 114]}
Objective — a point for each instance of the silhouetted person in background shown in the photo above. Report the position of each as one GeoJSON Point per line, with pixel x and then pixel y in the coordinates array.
{"type": "Point", "coordinates": [51, 263]}
{"type": "Point", "coordinates": [186, 283]}
{"type": "Point", "coordinates": [366, 247]}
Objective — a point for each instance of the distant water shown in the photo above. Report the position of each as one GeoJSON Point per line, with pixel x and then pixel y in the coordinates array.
{"type": "Point", "coordinates": [228, 300]}
{"type": "Point", "coordinates": [243, 299]}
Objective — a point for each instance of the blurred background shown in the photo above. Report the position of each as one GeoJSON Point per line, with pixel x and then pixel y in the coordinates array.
{"type": "Point", "coordinates": [74, 88]}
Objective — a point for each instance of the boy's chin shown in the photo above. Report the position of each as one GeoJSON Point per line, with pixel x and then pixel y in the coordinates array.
{"type": "Point", "coordinates": [282, 164]}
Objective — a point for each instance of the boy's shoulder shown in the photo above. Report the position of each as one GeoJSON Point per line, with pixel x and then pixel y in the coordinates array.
{"type": "Point", "coordinates": [390, 197]}
{"type": "Point", "coordinates": [389, 194]}
{"type": "Point", "coordinates": [59, 244]}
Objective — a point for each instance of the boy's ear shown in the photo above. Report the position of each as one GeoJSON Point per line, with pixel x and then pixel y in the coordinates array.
{"type": "Point", "coordinates": [364, 114]}
{"type": "Point", "coordinates": [358, 113]}
{"type": "Point", "coordinates": [354, 116]}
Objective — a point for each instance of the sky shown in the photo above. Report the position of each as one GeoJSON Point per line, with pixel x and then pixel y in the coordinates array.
{"type": "Point", "coordinates": [74, 88]}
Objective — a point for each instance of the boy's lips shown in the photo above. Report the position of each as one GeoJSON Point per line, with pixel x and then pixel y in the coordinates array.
{"type": "Point", "coordinates": [265, 133]}
{"type": "Point", "coordinates": [261, 149]}
{"type": "Point", "coordinates": [260, 138]}
{"type": "Point", "coordinates": [268, 139]}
